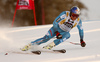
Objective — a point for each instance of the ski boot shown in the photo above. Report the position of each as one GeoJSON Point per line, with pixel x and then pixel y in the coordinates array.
{"type": "Point", "coordinates": [49, 46]}
{"type": "Point", "coordinates": [26, 47]}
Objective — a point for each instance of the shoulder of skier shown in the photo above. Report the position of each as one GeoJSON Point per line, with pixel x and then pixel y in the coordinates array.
{"type": "Point", "coordinates": [79, 25]}
{"type": "Point", "coordinates": [62, 16]}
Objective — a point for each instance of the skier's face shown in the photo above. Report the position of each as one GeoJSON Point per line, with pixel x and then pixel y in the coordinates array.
{"type": "Point", "coordinates": [74, 16]}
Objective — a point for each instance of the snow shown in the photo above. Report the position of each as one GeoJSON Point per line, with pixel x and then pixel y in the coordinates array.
{"type": "Point", "coordinates": [11, 39]}
{"type": "Point", "coordinates": [93, 9]}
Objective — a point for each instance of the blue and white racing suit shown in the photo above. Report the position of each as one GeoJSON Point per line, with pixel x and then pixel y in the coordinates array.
{"type": "Point", "coordinates": [63, 24]}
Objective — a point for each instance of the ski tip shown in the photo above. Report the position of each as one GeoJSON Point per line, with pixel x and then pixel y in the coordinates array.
{"type": "Point", "coordinates": [36, 52]}
{"type": "Point", "coordinates": [61, 51]}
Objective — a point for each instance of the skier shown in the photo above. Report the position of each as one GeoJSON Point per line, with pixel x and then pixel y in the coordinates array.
{"type": "Point", "coordinates": [61, 28]}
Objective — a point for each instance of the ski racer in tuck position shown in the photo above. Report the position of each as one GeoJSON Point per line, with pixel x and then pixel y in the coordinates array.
{"type": "Point", "coordinates": [61, 28]}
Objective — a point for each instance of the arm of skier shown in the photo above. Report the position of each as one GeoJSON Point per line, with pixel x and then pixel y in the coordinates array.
{"type": "Point", "coordinates": [81, 33]}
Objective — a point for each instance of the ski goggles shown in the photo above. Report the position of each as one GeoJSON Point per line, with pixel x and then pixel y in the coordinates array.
{"type": "Point", "coordinates": [75, 15]}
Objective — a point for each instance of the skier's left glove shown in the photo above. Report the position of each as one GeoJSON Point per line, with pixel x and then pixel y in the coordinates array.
{"type": "Point", "coordinates": [83, 44]}
{"type": "Point", "coordinates": [58, 35]}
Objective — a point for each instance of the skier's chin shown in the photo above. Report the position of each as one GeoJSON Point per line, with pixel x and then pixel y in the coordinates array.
{"type": "Point", "coordinates": [74, 19]}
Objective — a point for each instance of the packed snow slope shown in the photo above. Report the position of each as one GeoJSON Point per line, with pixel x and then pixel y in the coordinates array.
{"type": "Point", "coordinates": [12, 39]}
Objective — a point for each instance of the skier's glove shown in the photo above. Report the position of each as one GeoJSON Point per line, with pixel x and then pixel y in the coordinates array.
{"type": "Point", "coordinates": [58, 35]}
{"type": "Point", "coordinates": [83, 44]}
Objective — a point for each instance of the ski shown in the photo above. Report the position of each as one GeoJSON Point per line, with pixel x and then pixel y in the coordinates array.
{"type": "Point", "coordinates": [61, 51]}
{"type": "Point", "coordinates": [36, 52]}
{"type": "Point", "coordinates": [50, 51]}
{"type": "Point", "coordinates": [25, 52]}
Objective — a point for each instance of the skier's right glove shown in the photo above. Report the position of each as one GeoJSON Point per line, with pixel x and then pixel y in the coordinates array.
{"type": "Point", "coordinates": [83, 44]}
{"type": "Point", "coordinates": [58, 35]}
